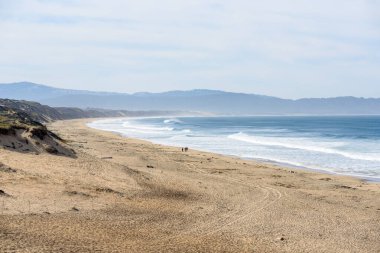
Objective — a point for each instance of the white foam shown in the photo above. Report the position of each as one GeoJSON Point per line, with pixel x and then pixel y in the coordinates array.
{"type": "Point", "coordinates": [300, 143]}
{"type": "Point", "coordinates": [142, 128]}
{"type": "Point", "coordinates": [174, 120]}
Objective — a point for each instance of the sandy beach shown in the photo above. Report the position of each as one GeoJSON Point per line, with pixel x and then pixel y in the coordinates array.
{"type": "Point", "coordinates": [127, 195]}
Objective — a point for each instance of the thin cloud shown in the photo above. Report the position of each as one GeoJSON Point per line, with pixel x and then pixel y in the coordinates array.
{"type": "Point", "coordinates": [283, 48]}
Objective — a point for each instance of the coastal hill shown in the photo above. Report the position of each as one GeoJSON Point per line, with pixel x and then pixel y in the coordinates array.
{"type": "Point", "coordinates": [23, 133]}
{"type": "Point", "coordinates": [43, 113]}
{"type": "Point", "coordinates": [211, 101]}
{"type": "Point", "coordinates": [22, 124]}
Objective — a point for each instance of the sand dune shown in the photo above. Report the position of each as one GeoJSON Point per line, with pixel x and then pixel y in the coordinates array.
{"type": "Point", "coordinates": [127, 195]}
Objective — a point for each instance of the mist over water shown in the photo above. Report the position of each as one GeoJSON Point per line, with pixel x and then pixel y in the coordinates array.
{"type": "Point", "coordinates": [344, 145]}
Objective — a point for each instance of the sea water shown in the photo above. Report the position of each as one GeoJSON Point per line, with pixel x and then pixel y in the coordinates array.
{"type": "Point", "coordinates": [347, 145]}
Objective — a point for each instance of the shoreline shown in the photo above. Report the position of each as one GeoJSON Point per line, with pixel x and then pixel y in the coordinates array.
{"type": "Point", "coordinates": [259, 160]}
{"type": "Point", "coordinates": [281, 165]}
{"type": "Point", "coordinates": [322, 171]}
{"type": "Point", "coordinates": [128, 195]}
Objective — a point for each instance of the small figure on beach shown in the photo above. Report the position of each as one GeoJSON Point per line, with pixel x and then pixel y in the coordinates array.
{"type": "Point", "coordinates": [186, 149]}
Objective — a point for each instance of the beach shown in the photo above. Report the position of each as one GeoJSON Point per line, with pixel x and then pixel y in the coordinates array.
{"type": "Point", "coordinates": [127, 195]}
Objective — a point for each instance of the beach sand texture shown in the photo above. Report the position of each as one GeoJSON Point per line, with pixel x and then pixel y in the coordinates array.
{"type": "Point", "coordinates": [127, 195]}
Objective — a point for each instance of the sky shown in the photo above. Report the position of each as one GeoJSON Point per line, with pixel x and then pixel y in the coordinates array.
{"type": "Point", "coordinates": [284, 48]}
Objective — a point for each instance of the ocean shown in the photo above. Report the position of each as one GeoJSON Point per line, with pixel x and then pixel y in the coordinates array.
{"type": "Point", "coordinates": [348, 145]}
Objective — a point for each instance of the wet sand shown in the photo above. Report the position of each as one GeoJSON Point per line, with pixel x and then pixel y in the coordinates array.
{"type": "Point", "coordinates": [128, 195]}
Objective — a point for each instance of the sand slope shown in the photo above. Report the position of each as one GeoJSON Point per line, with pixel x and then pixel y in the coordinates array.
{"type": "Point", "coordinates": [110, 199]}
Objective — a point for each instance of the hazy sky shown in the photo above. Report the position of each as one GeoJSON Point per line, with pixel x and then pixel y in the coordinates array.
{"type": "Point", "coordinates": [286, 48]}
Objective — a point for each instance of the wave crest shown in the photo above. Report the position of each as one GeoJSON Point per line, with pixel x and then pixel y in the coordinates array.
{"type": "Point", "coordinates": [173, 120]}
{"type": "Point", "coordinates": [327, 148]}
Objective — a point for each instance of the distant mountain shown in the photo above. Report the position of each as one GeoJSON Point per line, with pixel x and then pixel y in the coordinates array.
{"type": "Point", "coordinates": [37, 92]}
{"type": "Point", "coordinates": [211, 101]}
